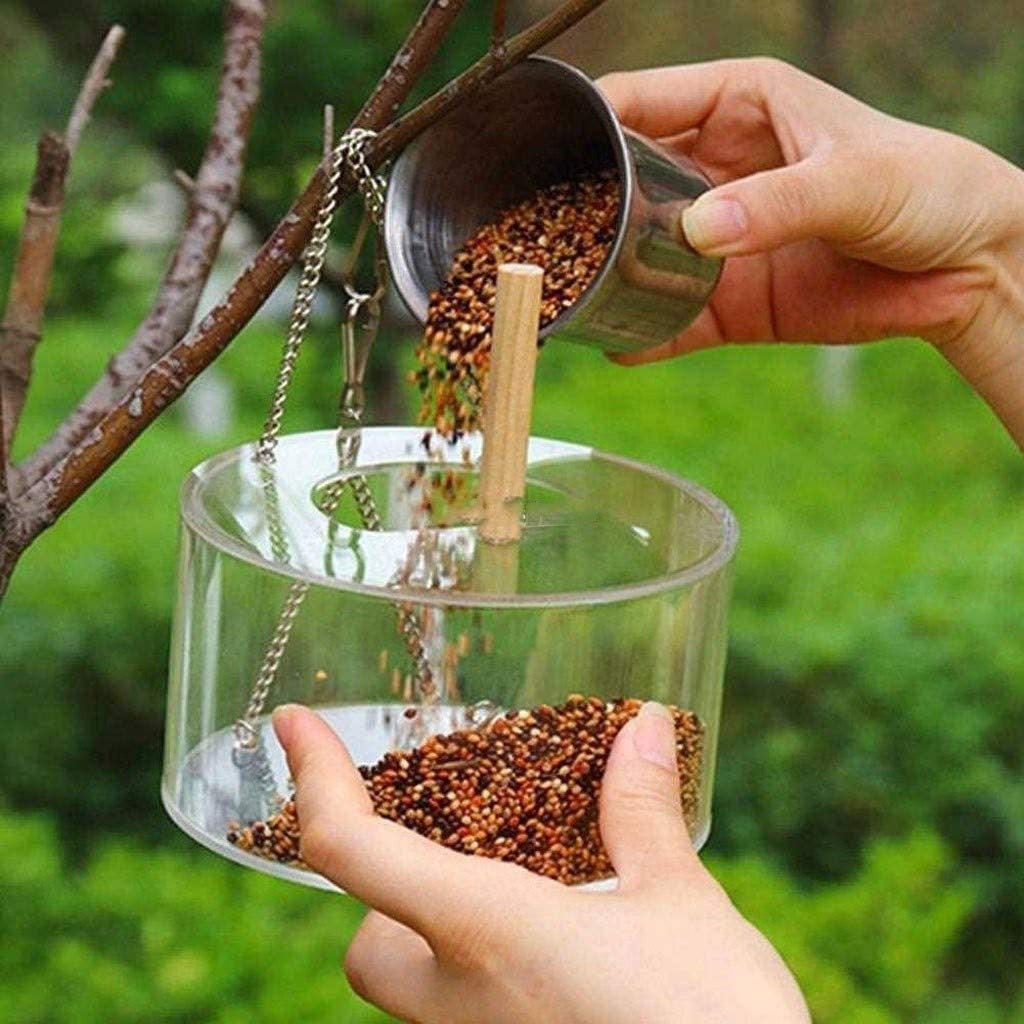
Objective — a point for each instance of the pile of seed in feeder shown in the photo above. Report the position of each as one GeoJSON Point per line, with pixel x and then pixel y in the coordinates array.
{"type": "Point", "coordinates": [523, 788]}
{"type": "Point", "coordinates": [568, 230]}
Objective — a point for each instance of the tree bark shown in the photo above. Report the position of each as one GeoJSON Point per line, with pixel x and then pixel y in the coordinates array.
{"type": "Point", "coordinates": [213, 196]}
{"type": "Point", "coordinates": [22, 328]}
{"type": "Point", "coordinates": [30, 282]}
{"type": "Point", "coordinates": [408, 64]}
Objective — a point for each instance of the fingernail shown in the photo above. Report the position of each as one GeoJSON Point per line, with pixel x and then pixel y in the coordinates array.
{"type": "Point", "coordinates": [279, 717]}
{"type": "Point", "coordinates": [654, 736]}
{"type": "Point", "coordinates": [712, 224]}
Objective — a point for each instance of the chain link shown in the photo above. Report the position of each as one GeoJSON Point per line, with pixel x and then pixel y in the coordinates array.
{"type": "Point", "coordinates": [349, 152]}
{"type": "Point", "coordinates": [245, 729]}
{"type": "Point", "coordinates": [362, 315]}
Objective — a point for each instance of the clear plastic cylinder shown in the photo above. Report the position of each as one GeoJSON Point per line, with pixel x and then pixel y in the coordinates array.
{"type": "Point", "coordinates": [617, 589]}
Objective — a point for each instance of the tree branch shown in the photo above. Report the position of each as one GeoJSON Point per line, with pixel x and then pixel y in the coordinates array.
{"type": "Point", "coordinates": [95, 82]}
{"type": "Point", "coordinates": [327, 131]}
{"type": "Point", "coordinates": [401, 132]}
{"type": "Point", "coordinates": [213, 196]}
{"type": "Point", "coordinates": [168, 378]}
{"type": "Point", "coordinates": [499, 25]}
{"type": "Point", "coordinates": [408, 64]}
{"type": "Point", "coordinates": [30, 281]}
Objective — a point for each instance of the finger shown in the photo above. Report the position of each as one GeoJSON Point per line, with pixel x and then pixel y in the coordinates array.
{"type": "Point", "coordinates": [820, 197]}
{"type": "Point", "coordinates": [661, 102]}
{"type": "Point", "coordinates": [392, 967]}
{"type": "Point", "coordinates": [404, 875]}
{"type": "Point", "coordinates": [641, 819]}
{"type": "Point", "coordinates": [703, 333]}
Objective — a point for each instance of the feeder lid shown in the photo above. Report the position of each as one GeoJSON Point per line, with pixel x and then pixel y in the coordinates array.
{"type": "Point", "coordinates": [597, 528]}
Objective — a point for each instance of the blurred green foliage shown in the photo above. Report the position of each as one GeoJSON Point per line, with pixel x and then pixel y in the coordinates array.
{"type": "Point", "coordinates": [870, 799]}
{"type": "Point", "coordinates": [136, 929]}
{"type": "Point", "coordinates": [871, 949]}
{"type": "Point", "coordinates": [140, 935]}
{"type": "Point", "coordinates": [874, 686]}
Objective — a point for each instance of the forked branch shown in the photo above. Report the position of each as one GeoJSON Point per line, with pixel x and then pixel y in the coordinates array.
{"type": "Point", "coordinates": [408, 64]}
{"type": "Point", "coordinates": [95, 82]}
{"type": "Point", "coordinates": [212, 198]}
{"type": "Point", "coordinates": [213, 195]}
{"type": "Point", "coordinates": [161, 383]}
{"type": "Point", "coordinates": [22, 326]}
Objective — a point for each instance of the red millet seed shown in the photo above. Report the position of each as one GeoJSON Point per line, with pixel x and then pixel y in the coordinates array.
{"type": "Point", "coordinates": [500, 790]}
{"type": "Point", "coordinates": [568, 229]}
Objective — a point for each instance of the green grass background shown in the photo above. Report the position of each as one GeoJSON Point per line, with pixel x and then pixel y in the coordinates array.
{"type": "Point", "coordinates": [867, 811]}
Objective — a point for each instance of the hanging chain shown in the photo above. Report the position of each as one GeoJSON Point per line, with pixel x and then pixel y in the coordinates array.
{"type": "Point", "coordinates": [359, 328]}
{"type": "Point", "coordinates": [245, 729]}
{"type": "Point", "coordinates": [362, 318]}
{"type": "Point", "coordinates": [349, 152]}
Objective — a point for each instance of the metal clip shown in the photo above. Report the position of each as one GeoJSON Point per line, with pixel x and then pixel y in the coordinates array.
{"type": "Point", "coordinates": [359, 331]}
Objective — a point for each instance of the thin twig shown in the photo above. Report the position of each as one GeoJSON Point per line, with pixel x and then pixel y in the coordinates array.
{"type": "Point", "coordinates": [401, 132]}
{"type": "Point", "coordinates": [94, 83]}
{"type": "Point", "coordinates": [22, 326]}
{"type": "Point", "coordinates": [168, 378]}
{"type": "Point", "coordinates": [179, 293]}
{"type": "Point", "coordinates": [184, 181]}
{"type": "Point", "coordinates": [408, 64]}
{"type": "Point", "coordinates": [499, 25]}
{"type": "Point", "coordinates": [213, 196]}
{"type": "Point", "coordinates": [30, 280]}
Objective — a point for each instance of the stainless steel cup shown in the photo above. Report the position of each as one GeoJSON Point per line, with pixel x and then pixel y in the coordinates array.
{"type": "Point", "coordinates": [542, 122]}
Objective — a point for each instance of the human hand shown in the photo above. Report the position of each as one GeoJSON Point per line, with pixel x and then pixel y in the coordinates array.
{"type": "Point", "coordinates": [465, 940]}
{"type": "Point", "coordinates": [846, 224]}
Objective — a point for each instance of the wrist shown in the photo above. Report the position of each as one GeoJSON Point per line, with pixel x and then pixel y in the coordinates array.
{"type": "Point", "coordinates": [989, 351]}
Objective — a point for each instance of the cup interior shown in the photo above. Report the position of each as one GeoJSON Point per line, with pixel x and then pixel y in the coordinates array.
{"type": "Point", "coordinates": [540, 123]}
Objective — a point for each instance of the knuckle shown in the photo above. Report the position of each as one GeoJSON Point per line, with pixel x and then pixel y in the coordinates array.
{"type": "Point", "coordinates": [357, 966]}
{"type": "Point", "coordinates": [613, 81]}
{"type": "Point", "coordinates": [618, 87]}
{"type": "Point", "coordinates": [771, 68]}
{"type": "Point", "coordinates": [881, 191]}
{"type": "Point", "coordinates": [646, 793]}
{"type": "Point", "coordinates": [794, 198]}
{"type": "Point", "coordinates": [645, 799]}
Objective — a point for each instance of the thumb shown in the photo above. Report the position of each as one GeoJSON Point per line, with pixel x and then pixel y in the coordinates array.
{"type": "Point", "coordinates": [774, 208]}
{"type": "Point", "coordinates": [641, 817]}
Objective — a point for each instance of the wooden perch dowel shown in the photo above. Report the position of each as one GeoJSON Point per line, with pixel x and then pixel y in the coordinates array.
{"type": "Point", "coordinates": [508, 401]}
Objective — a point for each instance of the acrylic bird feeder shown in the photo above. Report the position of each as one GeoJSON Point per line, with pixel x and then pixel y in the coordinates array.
{"type": "Point", "coordinates": [476, 627]}
{"type": "Point", "coordinates": [620, 591]}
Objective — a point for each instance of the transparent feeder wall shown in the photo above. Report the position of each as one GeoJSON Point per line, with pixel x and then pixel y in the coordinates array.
{"type": "Point", "coordinates": [620, 590]}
